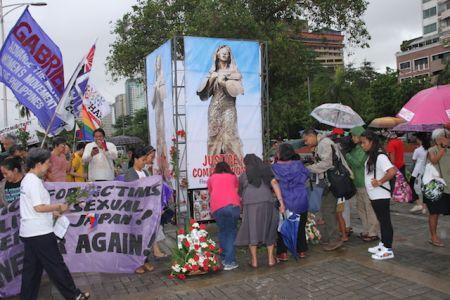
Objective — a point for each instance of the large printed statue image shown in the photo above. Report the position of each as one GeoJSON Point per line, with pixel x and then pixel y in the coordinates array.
{"type": "Point", "coordinates": [159, 95]}
{"type": "Point", "coordinates": [224, 84]}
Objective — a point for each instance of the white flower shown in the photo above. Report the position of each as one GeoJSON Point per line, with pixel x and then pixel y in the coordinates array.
{"type": "Point", "coordinates": [184, 270]}
{"type": "Point", "coordinates": [204, 245]}
{"type": "Point", "coordinates": [176, 268]}
{"type": "Point", "coordinates": [195, 225]}
{"type": "Point", "coordinates": [191, 261]}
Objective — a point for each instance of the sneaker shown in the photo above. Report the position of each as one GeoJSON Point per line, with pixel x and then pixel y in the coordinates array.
{"type": "Point", "coordinates": [382, 255]}
{"type": "Point", "coordinates": [416, 208]}
{"type": "Point", "coordinates": [229, 267]}
{"type": "Point", "coordinates": [377, 248]}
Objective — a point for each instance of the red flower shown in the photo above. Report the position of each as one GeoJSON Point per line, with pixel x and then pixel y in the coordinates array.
{"type": "Point", "coordinates": [187, 267]}
{"type": "Point", "coordinates": [181, 276]}
{"type": "Point", "coordinates": [195, 268]}
{"type": "Point", "coordinates": [215, 268]}
{"type": "Point", "coordinates": [220, 250]}
{"type": "Point", "coordinates": [192, 221]}
{"type": "Point", "coordinates": [205, 263]}
{"type": "Point", "coordinates": [207, 254]}
{"type": "Point", "coordinates": [196, 257]}
{"type": "Point", "coordinates": [202, 226]}
{"type": "Point", "coordinates": [202, 239]}
{"type": "Point", "coordinates": [196, 247]}
{"type": "Point", "coordinates": [181, 231]}
{"type": "Point", "coordinates": [171, 276]}
{"type": "Point", "coordinates": [206, 268]}
{"type": "Point", "coordinates": [211, 247]}
{"type": "Point", "coordinates": [186, 244]}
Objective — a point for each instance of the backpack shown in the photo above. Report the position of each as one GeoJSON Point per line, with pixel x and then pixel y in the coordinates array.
{"type": "Point", "coordinates": [399, 188]}
{"type": "Point", "coordinates": [341, 184]}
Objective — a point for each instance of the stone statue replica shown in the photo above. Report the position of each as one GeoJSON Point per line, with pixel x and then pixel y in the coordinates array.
{"type": "Point", "coordinates": [159, 94]}
{"type": "Point", "coordinates": [224, 84]}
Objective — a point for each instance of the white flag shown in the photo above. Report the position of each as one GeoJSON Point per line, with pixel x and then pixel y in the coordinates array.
{"type": "Point", "coordinates": [95, 103]}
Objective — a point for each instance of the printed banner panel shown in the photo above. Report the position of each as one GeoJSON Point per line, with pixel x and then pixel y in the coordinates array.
{"type": "Point", "coordinates": [159, 103]}
{"type": "Point", "coordinates": [223, 104]}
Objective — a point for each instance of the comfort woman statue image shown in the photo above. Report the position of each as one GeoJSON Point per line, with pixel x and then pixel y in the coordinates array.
{"type": "Point", "coordinates": [224, 84]}
{"type": "Point", "coordinates": [159, 95]}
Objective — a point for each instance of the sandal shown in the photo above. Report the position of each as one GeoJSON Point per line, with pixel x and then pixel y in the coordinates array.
{"type": "Point", "coordinates": [436, 243]}
{"type": "Point", "coordinates": [370, 238]}
{"type": "Point", "coordinates": [83, 296]}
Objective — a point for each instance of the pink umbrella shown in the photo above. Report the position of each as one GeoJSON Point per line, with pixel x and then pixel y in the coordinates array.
{"type": "Point", "coordinates": [428, 107]}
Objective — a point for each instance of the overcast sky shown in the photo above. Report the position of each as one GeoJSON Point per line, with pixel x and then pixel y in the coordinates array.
{"type": "Point", "coordinates": [75, 24]}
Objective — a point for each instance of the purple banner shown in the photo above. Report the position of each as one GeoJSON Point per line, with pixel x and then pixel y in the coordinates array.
{"type": "Point", "coordinates": [109, 234]}
{"type": "Point", "coordinates": [11, 251]}
{"type": "Point", "coordinates": [31, 66]}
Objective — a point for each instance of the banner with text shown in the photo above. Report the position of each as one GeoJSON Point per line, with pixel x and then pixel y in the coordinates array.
{"type": "Point", "coordinates": [159, 102]}
{"type": "Point", "coordinates": [31, 66]}
{"type": "Point", "coordinates": [223, 104]}
{"type": "Point", "coordinates": [109, 234]}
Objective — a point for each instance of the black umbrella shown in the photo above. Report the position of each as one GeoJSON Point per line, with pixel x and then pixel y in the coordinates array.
{"type": "Point", "coordinates": [125, 140]}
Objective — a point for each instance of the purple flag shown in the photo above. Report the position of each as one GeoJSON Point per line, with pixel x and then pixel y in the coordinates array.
{"type": "Point", "coordinates": [31, 66]}
{"type": "Point", "coordinates": [126, 216]}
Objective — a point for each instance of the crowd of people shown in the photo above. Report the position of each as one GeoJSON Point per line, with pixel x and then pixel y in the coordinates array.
{"type": "Point", "coordinates": [265, 194]}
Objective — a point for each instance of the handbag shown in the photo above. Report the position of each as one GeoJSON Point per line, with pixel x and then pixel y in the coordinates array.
{"type": "Point", "coordinates": [341, 185]}
{"type": "Point", "coordinates": [315, 193]}
{"type": "Point", "coordinates": [432, 184]}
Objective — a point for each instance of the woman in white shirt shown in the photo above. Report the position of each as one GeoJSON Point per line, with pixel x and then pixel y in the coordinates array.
{"type": "Point", "coordinates": [378, 171]}
{"type": "Point", "coordinates": [420, 158]}
{"type": "Point", "coordinates": [36, 231]}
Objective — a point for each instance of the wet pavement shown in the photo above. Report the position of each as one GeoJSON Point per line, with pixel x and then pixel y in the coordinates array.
{"type": "Point", "coordinates": [418, 271]}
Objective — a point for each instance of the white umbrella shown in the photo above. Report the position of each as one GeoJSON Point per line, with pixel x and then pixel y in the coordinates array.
{"type": "Point", "coordinates": [337, 115]}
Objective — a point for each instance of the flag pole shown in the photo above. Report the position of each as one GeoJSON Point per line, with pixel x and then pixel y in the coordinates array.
{"type": "Point", "coordinates": [64, 95]}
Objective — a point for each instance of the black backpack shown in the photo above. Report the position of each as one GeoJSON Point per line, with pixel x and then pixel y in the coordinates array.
{"type": "Point", "coordinates": [341, 184]}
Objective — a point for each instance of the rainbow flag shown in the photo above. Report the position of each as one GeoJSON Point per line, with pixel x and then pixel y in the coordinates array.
{"type": "Point", "coordinates": [89, 124]}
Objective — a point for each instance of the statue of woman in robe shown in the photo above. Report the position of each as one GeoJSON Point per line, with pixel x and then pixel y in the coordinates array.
{"type": "Point", "coordinates": [224, 84]}
{"type": "Point", "coordinates": [159, 94]}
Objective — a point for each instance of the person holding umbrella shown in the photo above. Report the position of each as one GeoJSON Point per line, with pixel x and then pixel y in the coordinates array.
{"type": "Point", "coordinates": [439, 155]}
{"type": "Point", "coordinates": [292, 176]}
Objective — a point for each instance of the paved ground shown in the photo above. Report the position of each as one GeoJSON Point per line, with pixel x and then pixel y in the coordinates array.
{"type": "Point", "coordinates": [419, 271]}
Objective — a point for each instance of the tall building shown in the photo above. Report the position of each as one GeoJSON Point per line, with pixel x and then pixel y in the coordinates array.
{"type": "Point", "coordinates": [427, 55]}
{"type": "Point", "coordinates": [328, 45]}
{"type": "Point", "coordinates": [107, 123]}
{"type": "Point", "coordinates": [121, 106]}
{"type": "Point", "coordinates": [135, 95]}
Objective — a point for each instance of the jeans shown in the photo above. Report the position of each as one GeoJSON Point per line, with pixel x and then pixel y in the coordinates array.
{"type": "Point", "coordinates": [383, 213]}
{"type": "Point", "coordinates": [227, 218]}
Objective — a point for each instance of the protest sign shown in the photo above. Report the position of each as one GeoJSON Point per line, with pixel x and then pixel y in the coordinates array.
{"type": "Point", "coordinates": [11, 251]}
{"type": "Point", "coordinates": [31, 66]}
{"type": "Point", "coordinates": [109, 234]}
{"type": "Point", "coordinates": [96, 103]}
{"type": "Point", "coordinates": [28, 126]}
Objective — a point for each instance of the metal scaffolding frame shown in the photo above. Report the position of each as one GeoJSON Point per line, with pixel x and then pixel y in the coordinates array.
{"type": "Point", "coordinates": [179, 122]}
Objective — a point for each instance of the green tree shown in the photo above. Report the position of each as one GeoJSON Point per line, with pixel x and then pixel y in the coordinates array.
{"type": "Point", "coordinates": [151, 23]}
{"type": "Point", "coordinates": [135, 125]}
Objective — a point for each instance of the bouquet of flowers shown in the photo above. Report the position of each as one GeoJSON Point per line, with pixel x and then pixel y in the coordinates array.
{"type": "Point", "coordinates": [195, 253]}
{"type": "Point", "coordinates": [81, 195]}
{"type": "Point", "coordinates": [312, 233]}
